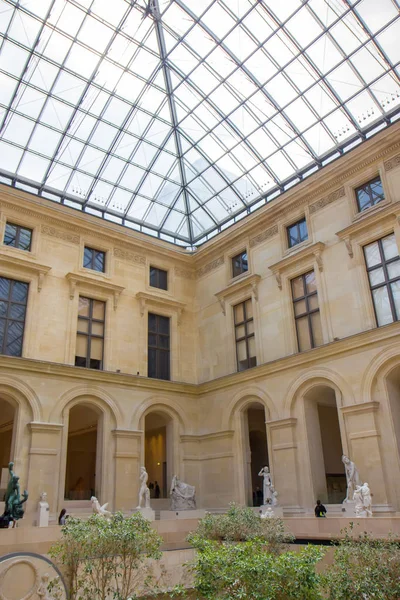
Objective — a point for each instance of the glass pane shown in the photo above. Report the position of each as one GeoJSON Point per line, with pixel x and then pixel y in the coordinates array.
{"type": "Point", "coordinates": [241, 351]}
{"type": "Point", "coordinates": [390, 247]}
{"type": "Point", "coordinates": [252, 347]}
{"type": "Point", "coordinates": [25, 239]}
{"type": "Point", "coordinates": [250, 327]}
{"type": "Point", "coordinates": [303, 334]}
{"type": "Point", "coordinates": [240, 332]}
{"type": "Point", "coordinates": [83, 325]}
{"type": "Point", "coordinates": [5, 285]}
{"type": "Point", "coordinates": [19, 291]}
{"type": "Point", "coordinates": [163, 365]}
{"type": "Point", "coordinates": [3, 309]}
{"type": "Point", "coordinates": [2, 328]}
{"type": "Point", "coordinates": [316, 329]}
{"type": "Point", "coordinates": [163, 325]}
{"type": "Point", "coordinates": [372, 255]}
{"type": "Point", "coordinates": [394, 269]}
{"type": "Point", "coordinates": [376, 276]}
{"type": "Point", "coordinates": [17, 311]}
{"type": "Point", "coordinates": [98, 310]}
{"type": "Point", "coordinates": [395, 287]}
{"type": "Point", "coordinates": [99, 262]}
{"type": "Point", "coordinates": [81, 346]}
{"type": "Point", "coordinates": [153, 277]}
{"type": "Point", "coordinates": [15, 331]}
{"type": "Point", "coordinates": [83, 307]}
{"type": "Point", "coordinates": [80, 361]}
{"type": "Point", "coordinates": [249, 309]}
{"type": "Point", "coordinates": [303, 230]}
{"type": "Point", "coordinates": [162, 279]}
{"type": "Point", "coordinates": [293, 235]}
{"type": "Point", "coordinates": [311, 284]}
{"type": "Point", "coordinates": [313, 302]}
{"type": "Point", "coordinates": [382, 306]}
{"type": "Point", "coordinates": [151, 363]}
{"type": "Point", "coordinates": [152, 339]}
{"type": "Point", "coordinates": [300, 307]}
{"type": "Point", "coordinates": [163, 341]}
{"type": "Point", "coordinates": [97, 328]}
{"type": "Point", "coordinates": [239, 314]}
{"type": "Point", "coordinates": [88, 258]}
{"type": "Point", "coordinates": [297, 287]}
{"type": "Point", "coordinates": [152, 322]}
{"type": "Point", "coordinates": [96, 348]}
{"type": "Point", "coordinates": [10, 234]}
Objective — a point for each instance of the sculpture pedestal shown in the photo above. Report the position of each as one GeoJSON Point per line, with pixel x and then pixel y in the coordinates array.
{"type": "Point", "coordinates": [147, 513]}
{"type": "Point", "coordinates": [278, 510]}
{"type": "Point", "coordinates": [182, 514]}
{"type": "Point", "coordinates": [348, 509]}
{"type": "Point", "coordinates": [43, 514]}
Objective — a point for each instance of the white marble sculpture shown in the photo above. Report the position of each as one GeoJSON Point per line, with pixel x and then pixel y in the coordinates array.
{"type": "Point", "coordinates": [363, 501]}
{"type": "Point", "coordinates": [268, 488]}
{"type": "Point", "coordinates": [352, 477]}
{"type": "Point", "coordinates": [100, 510]}
{"type": "Point", "coordinates": [267, 514]}
{"type": "Point", "coordinates": [42, 590]}
{"type": "Point", "coordinates": [43, 511]}
{"type": "Point", "coordinates": [274, 497]}
{"type": "Point", "coordinates": [144, 492]}
{"type": "Point", "coordinates": [183, 495]}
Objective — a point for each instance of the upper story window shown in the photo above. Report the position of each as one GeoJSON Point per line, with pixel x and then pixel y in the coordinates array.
{"type": "Point", "coordinates": [370, 194]}
{"type": "Point", "coordinates": [13, 300]}
{"type": "Point", "coordinates": [90, 334]}
{"type": "Point", "coordinates": [297, 233]}
{"type": "Point", "coordinates": [18, 237]}
{"type": "Point", "coordinates": [158, 346]}
{"type": "Point", "coordinates": [244, 335]}
{"type": "Point", "coordinates": [240, 264]}
{"type": "Point", "coordinates": [158, 278]}
{"type": "Point", "coordinates": [383, 267]}
{"type": "Point", "coordinates": [94, 259]}
{"type": "Point", "coordinates": [306, 311]}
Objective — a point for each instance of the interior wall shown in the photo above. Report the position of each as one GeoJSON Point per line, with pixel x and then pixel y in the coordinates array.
{"type": "Point", "coordinates": [82, 453]}
{"type": "Point", "coordinates": [258, 448]}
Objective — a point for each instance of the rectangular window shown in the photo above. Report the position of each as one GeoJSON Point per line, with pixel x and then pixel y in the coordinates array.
{"type": "Point", "coordinates": [158, 278]}
{"type": "Point", "coordinates": [158, 347]}
{"type": "Point", "coordinates": [306, 311]}
{"type": "Point", "coordinates": [13, 300]}
{"type": "Point", "coordinates": [239, 264]}
{"type": "Point", "coordinates": [18, 237]}
{"type": "Point", "coordinates": [383, 267]}
{"type": "Point", "coordinates": [244, 335]}
{"type": "Point", "coordinates": [94, 259]}
{"type": "Point", "coordinates": [370, 194]}
{"type": "Point", "coordinates": [297, 233]}
{"type": "Point", "coordinates": [90, 335]}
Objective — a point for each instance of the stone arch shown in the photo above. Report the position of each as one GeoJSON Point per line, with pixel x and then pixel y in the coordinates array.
{"type": "Point", "coordinates": [93, 396]}
{"type": "Point", "coordinates": [321, 376]}
{"type": "Point", "coordinates": [162, 405]}
{"type": "Point", "coordinates": [21, 394]}
{"type": "Point", "coordinates": [380, 365]}
{"type": "Point", "coordinates": [242, 400]}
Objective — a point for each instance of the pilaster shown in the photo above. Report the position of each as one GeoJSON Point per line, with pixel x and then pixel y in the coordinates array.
{"type": "Point", "coordinates": [127, 457]}
{"type": "Point", "coordinates": [283, 460]}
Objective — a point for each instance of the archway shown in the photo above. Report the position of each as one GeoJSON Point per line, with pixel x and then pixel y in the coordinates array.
{"type": "Point", "coordinates": [83, 453]}
{"type": "Point", "coordinates": [325, 444]}
{"type": "Point", "coordinates": [256, 451]}
{"type": "Point", "coordinates": [158, 452]}
{"type": "Point", "coordinates": [393, 389]}
{"type": "Point", "coordinates": [7, 433]}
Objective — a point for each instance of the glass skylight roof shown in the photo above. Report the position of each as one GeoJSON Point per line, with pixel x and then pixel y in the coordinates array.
{"type": "Point", "coordinates": [177, 117]}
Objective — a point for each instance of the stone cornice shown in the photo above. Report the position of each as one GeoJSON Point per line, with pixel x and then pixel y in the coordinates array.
{"type": "Point", "coordinates": [247, 283]}
{"type": "Point", "coordinates": [362, 407]}
{"type": "Point", "coordinates": [41, 427]}
{"type": "Point", "coordinates": [282, 423]}
{"type": "Point", "coordinates": [147, 299]}
{"type": "Point", "coordinates": [24, 265]}
{"type": "Point", "coordinates": [314, 251]}
{"type": "Point", "coordinates": [76, 279]}
{"type": "Point", "coordinates": [204, 437]}
{"type": "Point", "coordinates": [127, 433]}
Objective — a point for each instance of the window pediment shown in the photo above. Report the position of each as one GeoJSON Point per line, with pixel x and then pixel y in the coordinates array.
{"type": "Point", "coordinates": [247, 283]}
{"type": "Point", "coordinates": [23, 267]}
{"type": "Point", "coordinates": [89, 282]}
{"type": "Point", "coordinates": [291, 262]}
{"type": "Point", "coordinates": [154, 301]}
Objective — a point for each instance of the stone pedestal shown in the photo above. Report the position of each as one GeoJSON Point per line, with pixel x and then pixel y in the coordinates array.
{"type": "Point", "coordinates": [43, 514]}
{"type": "Point", "coordinates": [147, 513]}
{"type": "Point", "coordinates": [182, 514]}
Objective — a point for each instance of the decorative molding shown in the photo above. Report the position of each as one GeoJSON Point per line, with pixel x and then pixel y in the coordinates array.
{"type": "Point", "coordinates": [219, 456]}
{"type": "Point", "coordinates": [205, 437]}
{"type": "Point", "coordinates": [263, 236]}
{"type": "Point", "coordinates": [360, 435]}
{"type": "Point", "coordinates": [249, 283]}
{"type": "Point", "coordinates": [282, 423]}
{"type": "Point", "coordinates": [133, 455]}
{"type": "Point", "coordinates": [349, 246]}
{"type": "Point", "coordinates": [25, 265]}
{"type": "Point", "coordinates": [314, 251]}
{"type": "Point", "coordinates": [44, 451]}
{"type": "Point", "coordinates": [362, 407]}
{"type": "Point", "coordinates": [367, 221]}
{"type": "Point", "coordinates": [129, 256]}
{"type": "Point", "coordinates": [152, 300]}
{"type": "Point", "coordinates": [340, 193]}
{"type": "Point", "coordinates": [284, 446]}
{"type": "Point", "coordinates": [75, 280]}
{"type": "Point", "coordinates": [392, 163]}
{"type": "Point", "coordinates": [60, 235]}
{"type": "Point", "coordinates": [37, 427]}
{"type": "Point", "coordinates": [211, 266]}
{"type": "Point", "coordinates": [185, 273]}
{"type": "Point", "coordinates": [127, 433]}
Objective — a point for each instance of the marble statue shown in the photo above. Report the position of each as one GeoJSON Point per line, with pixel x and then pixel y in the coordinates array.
{"type": "Point", "coordinates": [42, 590]}
{"type": "Point", "coordinates": [274, 497]}
{"type": "Point", "coordinates": [358, 502]}
{"type": "Point", "coordinates": [363, 501]}
{"type": "Point", "coordinates": [267, 514]}
{"type": "Point", "coordinates": [100, 510]}
{"type": "Point", "coordinates": [13, 510]}
{"type": "Point", "coordinates": [144, 492]}
{"type": "Point", "coordinates": [182, 495]}
{"type": "Point", "coordinates": [352, 477]}
{"type": "Point", "coordinates": [267, 485]}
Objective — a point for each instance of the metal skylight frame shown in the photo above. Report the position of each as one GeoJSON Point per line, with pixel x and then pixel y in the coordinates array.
{"type": "Point", "coordinates": [135, 163]}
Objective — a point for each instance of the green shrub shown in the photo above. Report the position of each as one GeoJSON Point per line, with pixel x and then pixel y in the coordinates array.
{"type": "Point", "coordinates": [364, 569]}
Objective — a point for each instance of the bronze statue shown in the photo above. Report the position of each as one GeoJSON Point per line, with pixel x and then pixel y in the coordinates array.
{"type": "Point", "coordinates": [13, 510]}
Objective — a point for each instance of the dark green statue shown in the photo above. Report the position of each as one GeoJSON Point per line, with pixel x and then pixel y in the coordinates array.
{"type": "Point", "coordinates": [13, 504]}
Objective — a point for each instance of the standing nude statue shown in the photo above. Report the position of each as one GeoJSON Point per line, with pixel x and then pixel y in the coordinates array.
{"type": "Point", "coordinates": [267, 485]}
{"type": "Point", "coordinates": [352, 477]}
{"type": "Point", "coordinates": [144, 492]}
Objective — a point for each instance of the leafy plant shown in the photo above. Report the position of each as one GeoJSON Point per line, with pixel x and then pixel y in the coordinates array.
{"type": "Point", "coordinates": [364, 568]}
{"type": "Point", "coordinates": [107, 558]}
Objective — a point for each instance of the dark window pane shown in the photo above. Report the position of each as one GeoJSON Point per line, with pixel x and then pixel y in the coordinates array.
{"type": "Point", "coordinates": [15, 331]}
{"type": "Point", "coordinates": [239, 264]}
{"type": "Point", "coordinates": [17, 236]}
{"type": "Point", "coordinates": [10, 235]}
{"type": "Point", "coordinates": [90, 334]}
{"type": "Point", "coordinates": [19, 291]}
{"type": "Point", "coordinates": [163, 365]}
{"type": "Point", "coordinates": [11, 329]}
{"type": "Point", "coordinates": [152, 362]}
{"type": "Point", "coordinates": [152, 322]}
{"type": "Point", "coordinates": [24, 242]}
{"type": "Point", "coordinates": [5, 285]}
{"type": "Point", "coordinates": [152, 339]}
{"type": "Point", "coordinates": [163, 325]}
{"type": "Point", "coordinates": [244, 335]}
{"type": "Point", "coordinates": [153, 277]}
{"type": "Point", "coordinates": [158, 346]}
{"type": "Point", "coordinates": [158, 278]}
{"type": "Point", "coordinates": [88, 258]}
{"type": "Point", "coordinates": [80, 361]}
{"type": "Point", "coordinates": [370, 194]}
{"type": "Point", "coordinates": [306, 311]}
{"type": "Point", "coordinates": [2, 330]}
{"type": "Point", "coordinates": [99, 262]}
{"type": "Point", "coordinates": [3, 308]}
{"type": "Point", "coordinates": [94, 259]}
{"type": "Point", "coordinates": [163, 280]}
{"type": "Point", "coordinates": [95, 363]}
{"type": "Point", "coordinates": [163, 341]}
{"type": "Point", "coordinates": [297, 233]}
{"type": "Point", "coordinates": [17, 311]}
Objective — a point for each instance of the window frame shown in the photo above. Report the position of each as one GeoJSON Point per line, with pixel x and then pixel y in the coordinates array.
{"type": "Point", "coordinates": [364, 185]}
{"type": "Point", "coordinates": [308, 312]}
{"type": "Point", "coordinates": [9, 319]}
{"type": "Point", "coordinates": [94, 253]}
{"type": "Point", "coordinates": [17, 236]}
{"type": "Point", "coordinates": [158, 349]}
{"type": "Point", "coordinates": [387, 281]}
{"type": "Point", "coordinates": [297, 225]}
{"type": "Point", "coordinates": [246, 336]}
{"type": "Point", "coordinates": [240, 256]}
{"type": "Point", "coordinates": [158, 270]}
{"type": "Point", "coordinates": [89, 335]}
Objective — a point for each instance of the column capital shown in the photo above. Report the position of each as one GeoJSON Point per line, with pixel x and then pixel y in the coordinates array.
{"type": "Point", "coordinates": [282, 423]}
{"type": "Point", "coordinates": [361, 407]}
{"type": "Point", "coordinates": [127, 433]}
{"type": "Point", "coordinates": [42, 427]}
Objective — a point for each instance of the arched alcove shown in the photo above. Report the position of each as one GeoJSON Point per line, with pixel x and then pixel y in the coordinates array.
{"type": "Point", "coordinates": [158, 452]}
{"type": "Point", "coordinates": [7, 437]}
{"type": "Point", "coordinates": [256, 451]}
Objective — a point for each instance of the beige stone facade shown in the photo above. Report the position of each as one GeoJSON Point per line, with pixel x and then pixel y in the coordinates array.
{"type": "Point", "coordinates": [347, 388]}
